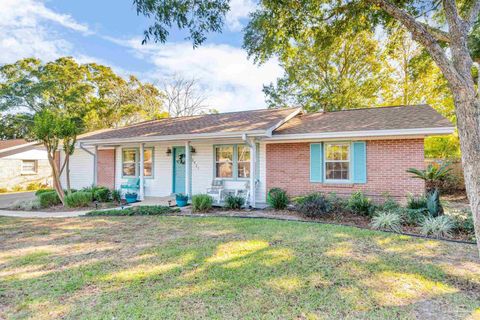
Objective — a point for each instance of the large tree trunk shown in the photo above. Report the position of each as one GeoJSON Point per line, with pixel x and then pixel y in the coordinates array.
{"type": "Point", "coordinates": [67, 168]}
{"type": "Point", "coordinates": [468, 122]}
{"type": "Point", "coordinates": [57, 185]}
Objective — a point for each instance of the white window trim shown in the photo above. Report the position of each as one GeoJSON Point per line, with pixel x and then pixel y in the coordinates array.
{"type": "Point", "coordinates": [235, 162]}
{"type": "Point", "coordinates": [349, 161]}
{"type": "Point", "coordinates": [137, 162]}
{"type": "Point", "coordinates": [30, 172]}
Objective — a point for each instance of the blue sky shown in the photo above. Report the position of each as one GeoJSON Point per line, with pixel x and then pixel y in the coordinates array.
{"type": "Point", "coordinates": [110, 32]}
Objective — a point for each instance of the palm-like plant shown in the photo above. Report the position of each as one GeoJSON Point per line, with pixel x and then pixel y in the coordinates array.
{"type": "Point", "coordinates": [431, 175]}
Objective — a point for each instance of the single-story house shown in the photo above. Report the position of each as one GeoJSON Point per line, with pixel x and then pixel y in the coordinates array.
{"type": "Point", "coordinates": [343, 151]}
{"type": "Point", "coordinates": [23, 163]}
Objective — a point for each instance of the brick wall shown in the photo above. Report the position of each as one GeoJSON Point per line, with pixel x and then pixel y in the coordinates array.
{"type": "Point", "coordinates": [106, 168]}
{"type": "Point", "coordinates": [288, 167]}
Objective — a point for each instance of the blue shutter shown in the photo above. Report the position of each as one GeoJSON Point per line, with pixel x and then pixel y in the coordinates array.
{"type": "Point", "coordinates": [359, 162]}
{"type": "Point", "coordinates": [316, 162]}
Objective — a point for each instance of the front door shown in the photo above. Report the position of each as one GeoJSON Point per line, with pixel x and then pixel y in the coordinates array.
{"type": "Point", "coordinates": [178, 170]}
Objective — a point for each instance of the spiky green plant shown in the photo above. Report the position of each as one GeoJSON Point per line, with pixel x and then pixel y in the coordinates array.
{"type": "Point", "coordinates": [387, 220]}
{"type": "Point", "coordinates": [431, 175]}
{"type": "Point", "coordinates": [441, 226]}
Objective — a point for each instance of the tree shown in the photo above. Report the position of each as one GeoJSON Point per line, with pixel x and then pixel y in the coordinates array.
{"type": "Point", "coordinates": [344, 74]}
{"type": "Point", "coordinates": [183, 97]}
{"type": "Point", "coordinates": [15, 126]}
{"type": "Point", "coordinates": [446, 43]}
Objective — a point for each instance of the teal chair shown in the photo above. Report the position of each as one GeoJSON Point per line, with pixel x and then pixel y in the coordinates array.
{"type": "Point", "coordinates": [132, 184]}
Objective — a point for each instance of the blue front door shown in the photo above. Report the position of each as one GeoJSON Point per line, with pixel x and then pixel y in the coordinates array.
{"type": "Point", "coordinates": [178, 170]}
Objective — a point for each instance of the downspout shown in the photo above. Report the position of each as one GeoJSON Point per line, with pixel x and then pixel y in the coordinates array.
{"type": "Point", "coordinates": [253, 168]}
{"type": "Point", "coordinates": [94, 155]}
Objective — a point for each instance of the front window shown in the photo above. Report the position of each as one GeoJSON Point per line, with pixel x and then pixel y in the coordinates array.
{"type": "Point", "coordinates": [131, 162]}
{"type": "Point", "coordinates": [232, 161]}
{"type": "Point", "coordinates": [243, 163]}
{"type": "Point", "coordinates": [224, 161]}
{"type": "Point", "coordinates": [337, 161]}
{"type": "Point", "coordinates": [29, 166]}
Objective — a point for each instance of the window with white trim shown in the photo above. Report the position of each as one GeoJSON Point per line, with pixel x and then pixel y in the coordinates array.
{"type": "Point", "coordinates": [232, 161]}
{"type": "Point", "coordinates": [243, 163]}
{"type": "Point", "coordinates": [131, 162]}
{"type": "Point", "coordinates": [224, 161]}
{"type": "Point", "coordinates": [337, 161]}
{"type": "Point", "coordinates": [29, 166]}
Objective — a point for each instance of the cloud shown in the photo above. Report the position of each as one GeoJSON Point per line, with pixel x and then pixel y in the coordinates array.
{"type": "Point", "coordinates": [228, 78]}
{"type": "Point", "coordinates": [239, 10]}
{"type": "Point", "coordinates": [26, 31]}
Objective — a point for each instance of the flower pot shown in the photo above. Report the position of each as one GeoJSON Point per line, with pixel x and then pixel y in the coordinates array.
{"type": "Point", "coordinates": [181, 200]}
{"type": "Point", "coordinates": [130, 198]}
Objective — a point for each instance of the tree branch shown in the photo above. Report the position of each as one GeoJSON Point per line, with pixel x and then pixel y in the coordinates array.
{"type": "Point", "coordinates": [440, 35]}
{"type": "Point", "coordinates": [472, 16]}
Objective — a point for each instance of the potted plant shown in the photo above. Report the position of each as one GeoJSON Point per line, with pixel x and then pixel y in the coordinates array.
{"type": "Point", "coordinates": [181, 199]}
{"type": "Point", "coordinates": [131, 197]}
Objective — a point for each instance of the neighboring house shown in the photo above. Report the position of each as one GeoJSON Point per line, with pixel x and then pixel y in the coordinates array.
{"type": "Point", "coordinates": [341, 152]}
{"type": "Point", "coordinates": [23, 163]}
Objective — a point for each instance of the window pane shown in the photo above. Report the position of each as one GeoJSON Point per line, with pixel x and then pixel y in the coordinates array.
{"type": "Point", "coordinates": [337, 171]}
{"type": "Point", "coordinates": [224, 153]}
{"type": "Point", "coordinates": [128, 169]}
{"type": "Point", "coordinates": [243, 153]}
{"type": "Point", "coordinates": [147, 155]}
{"type": "Point", "coordinates": [29, 166]}
{"type": "Point", "coordinates": [244, 169]}
{"type": "Point", "coordinates": [129, 155]}
{"type": "Point", "coordinates": [147, 169]}
{"type": "Point", "coordinates": [224, 170]}
{"type": "Point", "coordinates": [344, 155]}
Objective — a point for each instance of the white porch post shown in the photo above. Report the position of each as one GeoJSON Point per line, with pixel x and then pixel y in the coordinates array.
{"type": "Point", "coordinates": [188, 169]}
{"type": "Point", "coordinates": [253, 172]}
{"type": "Point", "coordinates": [95, 166]}
{"type": "Point", "coordinates": [141, 194]}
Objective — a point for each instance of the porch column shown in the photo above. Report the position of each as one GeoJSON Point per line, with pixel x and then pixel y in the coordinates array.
{"type": "Point", "coordinates": [95, 166]}
{"type": "Point", "coordinates": [188, 169]}
{"type": "Point", "coordinates": [141, 175]}
{"type": "Point", "coordinates": [253, 172]}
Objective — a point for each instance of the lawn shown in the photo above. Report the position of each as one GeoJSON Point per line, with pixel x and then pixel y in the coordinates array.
{"type": "Point", "coordinates": [228, 268]}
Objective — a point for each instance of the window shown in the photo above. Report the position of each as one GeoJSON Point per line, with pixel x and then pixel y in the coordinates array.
{"type": "Point", "coordinates": [337, 161]}
{"type": "Point", "coordinates": [232, 161]}
{"type": "Point", "coordinates": [29, 166]}
{"type": "Point", "coordinates": [131, 162]}
{"type": "Point", "coordinates": [224, 161]}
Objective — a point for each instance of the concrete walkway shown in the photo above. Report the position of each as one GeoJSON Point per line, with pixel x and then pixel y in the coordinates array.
{"type": "Point", "coordinates": [42, 214]}
{"type": "Point", "coordinates": [6, 199]}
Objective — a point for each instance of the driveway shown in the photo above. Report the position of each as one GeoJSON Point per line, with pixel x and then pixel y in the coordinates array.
{"type": "Point", "coordinates": [8, 198]}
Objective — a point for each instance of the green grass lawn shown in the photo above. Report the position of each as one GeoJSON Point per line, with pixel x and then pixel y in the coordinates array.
{"type": "Point", "coordinates": [228, 268]}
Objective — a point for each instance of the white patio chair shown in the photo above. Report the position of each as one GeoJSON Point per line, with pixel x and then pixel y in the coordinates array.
{"type": "Point", "coordinates": [215, 191]}
{"type": "Point", "coordinates": [244, 193]}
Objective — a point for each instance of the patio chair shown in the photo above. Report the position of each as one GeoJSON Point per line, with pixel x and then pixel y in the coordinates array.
{"type": "Point", "coordinates": [132, 184]}
{"type": "Point", "coordinates": [244, 192]}
{"type": "Point", "coordinates": [215, 191]}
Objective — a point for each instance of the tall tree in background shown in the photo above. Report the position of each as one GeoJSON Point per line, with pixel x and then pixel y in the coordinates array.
{"type": "Point", "coordinates": [287, 21]}
{"type": "Point", "coordinates": [15, 126]}
{"type": "Point", "coordinates": [183, 96]}
{"type": "Point", "coordinates": [332, 76]}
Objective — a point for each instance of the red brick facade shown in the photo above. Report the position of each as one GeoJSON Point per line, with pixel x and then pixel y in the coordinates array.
{"type": "Point", "coordinates": [106, 168]}
{"type": "Point", "coordinates": [288, 167]}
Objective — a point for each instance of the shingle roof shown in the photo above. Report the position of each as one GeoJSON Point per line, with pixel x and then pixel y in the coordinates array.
{"type": "Point", "coordinates": [382, 118]}
{"type": "Point", "coordinates": [242, 121]}
{"type": "Point", "coordinates": [5, 144]}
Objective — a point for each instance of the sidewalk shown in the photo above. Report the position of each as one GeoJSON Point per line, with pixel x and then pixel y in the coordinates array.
{"type": "Point", "coordinates": [42, 214]}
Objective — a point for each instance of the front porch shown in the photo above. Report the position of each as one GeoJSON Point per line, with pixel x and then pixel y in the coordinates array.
{"type": "Point", "coordinates": [170, 201]}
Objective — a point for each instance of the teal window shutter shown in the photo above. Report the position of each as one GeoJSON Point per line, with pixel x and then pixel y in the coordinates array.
{"type": "Point", "coordinates": [359, 162]}
{"type": "Point", "coordinates": [316, 162]}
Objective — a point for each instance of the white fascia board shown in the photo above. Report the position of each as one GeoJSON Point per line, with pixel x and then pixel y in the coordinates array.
{"type": "Point", "coordinates": [278, 124]}
{"type": "Point", "coordinates": [192, 137]}
{"type": "Point", "coordinates": [20, 146]}
{"type": "Point", "coordinates": [367, 133]}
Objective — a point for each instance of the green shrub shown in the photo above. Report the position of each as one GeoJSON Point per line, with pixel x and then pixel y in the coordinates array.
{"type": "Point", "coordinates": [35, 186]}
{"type": "Point", "coordinates": [358, 203]}
{"type": "Point", "coordinates": [233, 202]}
{"type": "Point", "coordinates": [102, 194]}
{"type": "Point", "coordinates": [277, 199]}
{"type": "Point", "coordinates": [464, 222]}
{"type": "Point", "coordinates": [413, 217]}
{"type": "Point", "coordinates": [25, 205]}
{"type": "Point", "coordinates": [78, 199]}
{"type": "Point", "coordinates": [201, 203]}
{"type": "Point", "coordinates": [336, 203]}
{"type": "Point", "coordinates": [419, 202]}
{"type": "Point", "coordinates": [387, 220]}
{"type": "Point", "coordinates": [116, 196]}
{"type": "Point", "coordinates": [440, 226]}
{"type": "Point", "coordinates": [389, 204]}
{"type": "Point", "coordinates": [135, 211]}
{"type": "Point", "coordinates": [313, 205]}
{"type": "Point", "coordinates": [3, 190]}
{"type": "Point", "coordinates": [48, 199]}
{"type": "Point", "coordinates": [17, 188]}
{"type": "Point", "coordinates": [433, 203]}
{"type": "Point", "coordinates": [39, 192]}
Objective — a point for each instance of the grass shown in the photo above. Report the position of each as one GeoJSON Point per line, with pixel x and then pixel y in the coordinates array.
{"type": "Point", "coordinates": [228, 268]}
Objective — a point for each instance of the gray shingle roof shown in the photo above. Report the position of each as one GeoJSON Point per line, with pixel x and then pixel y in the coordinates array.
{"type": "Point", "coordinates": [382, 118]}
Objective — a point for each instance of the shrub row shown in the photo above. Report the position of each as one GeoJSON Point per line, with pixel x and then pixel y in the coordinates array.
{"type": "Point", "coordinates": [135, 211]}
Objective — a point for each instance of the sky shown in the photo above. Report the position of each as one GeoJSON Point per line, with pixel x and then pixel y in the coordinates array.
{"type": "Point", "coordinates": [109, 32]}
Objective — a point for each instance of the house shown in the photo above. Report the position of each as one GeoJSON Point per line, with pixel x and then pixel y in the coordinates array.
{"type": "Point", "coordinates": [23, 163]}
{"type": "Point", "coordinates": [341, 152]}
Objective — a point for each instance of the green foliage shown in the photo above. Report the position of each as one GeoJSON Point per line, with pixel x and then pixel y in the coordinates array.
{"type": "Point", "coordinates": [389, 205]}
{"type": "Point", "coordinates": [181, 196]}
{"type": "Point", "coordinates": [387, 220]}
{"type": "Point", "coordinates": [17, 188]}
{"type": "Point", "coordinates": [336, 203]}
{"type": "Point", "coordinates": [313, 205]}
{"type": "Point", "coordinates": [414, 217]}
{"type": "Point", "coordinates": [431, 175]}
{"type": "Point", "coordinates": [35, 186]}
{"type": "Point", "coordinates": [39, 192]}
{"type": "Point", "coordinates": [464, 223]}
{"type": "Point", "coordinates": [434, 206]}
{"type": "Point", "coordinates": [15, 126]}
{"type": "Point", "coordinates": [135, 211]}
{"type": "Point", "coordinates": [102, 194]}
{"type": "Point", "coordinates": [78, 199]}
{"type": "Point", "coordinates": [277, 199]}
{"type": "Point", "coordinates": [116, 195]}
{"type": "Point", "coordinates": [232, 202]}
{"type": "Point", "coordinates": [440, 226]}
{"type": "Point", "coordinates": [3, 190]}
{"type": "Point", "coordinates": [416, 202]}
{"type": "Point", "coordinates": [48, 199]}
{"type": "Point", "coordinates": [358, 203]}
{"type": "Point", "coordinates": [201, 203]}
{"type": "Point", "coordinates": [26, 205]}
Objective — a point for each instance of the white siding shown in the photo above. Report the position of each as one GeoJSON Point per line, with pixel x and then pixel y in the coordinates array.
{"type": "Point", "coordinates": [262, 176]}
{"type": "Point", "coordinates": [81, 169]}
